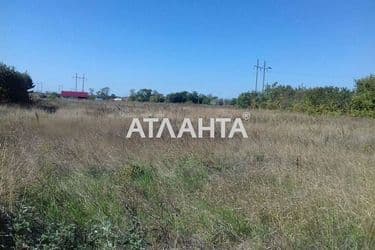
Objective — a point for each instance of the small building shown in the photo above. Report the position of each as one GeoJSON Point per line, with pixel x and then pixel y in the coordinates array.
{"type": "Point", "coordinates": [75, 94]}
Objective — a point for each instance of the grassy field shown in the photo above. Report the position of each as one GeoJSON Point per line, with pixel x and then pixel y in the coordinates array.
{"type": "Point", "coordinates": [71, 179]}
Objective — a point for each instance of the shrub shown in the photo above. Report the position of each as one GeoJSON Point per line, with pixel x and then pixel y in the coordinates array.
{"type": "Point", "coordinates": [247, 99]}
{"type": "Point", "coordinates": [363, 102]}
{"type": "Point", "coordinates": [14, 85]}
{"type": "Point", "coordinates": [318, 100]}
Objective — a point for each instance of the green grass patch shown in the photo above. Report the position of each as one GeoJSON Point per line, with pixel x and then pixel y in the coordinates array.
{"type": "Point", "coordinates": [78, 210]}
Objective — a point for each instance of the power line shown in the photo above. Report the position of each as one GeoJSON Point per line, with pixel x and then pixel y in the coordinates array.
{"type": "Point", "coordinates": [76, 78]}
{"type": "Point", "coordinates": [265, 69]}
{"type": "Point", "coordinates": [83, 82]}
{"type": "Point", "coordinates": [257, 67]}
{"type": "Point", "coordinates": [83, 78]}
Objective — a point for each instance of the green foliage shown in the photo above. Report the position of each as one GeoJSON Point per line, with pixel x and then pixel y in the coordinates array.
{"type": "Point", "coordinates": [178, 97]}
{"type": "Point", "coordinates": [157, 97]}
{"type": "Point", "coordinates": [142, 95]}
{"type": "Point", "coordinates": [77, 210]}
{"type": "Point", "coordinates": [365, 85]}
{"type": "Point", "coordinates": [318, 100]}
{"type": "Point", "coordinates": [191, 174]}
{"type": "Point", "coordinates": [14, 86]}
{"type": "Point", "coordinates": [363, 102]}
{"type": "Point", "coordinates": [32, 230]}
{"type": "Point", "coordinates": [280, 97]}
{"type": "Point", "coordinates": [166, 203]}
{"type": "Point", "coordinates": [148, 95]}
{"type": "Point", "coordinates": [247, 99]}
{"type": "Point", "coordinates": [327, 100]}
{"type": "Point", "coordinates": [6, 231]}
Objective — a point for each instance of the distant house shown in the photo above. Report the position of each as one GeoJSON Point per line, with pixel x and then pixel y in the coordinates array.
{"type": "Point", "coordinates": [75, 94]}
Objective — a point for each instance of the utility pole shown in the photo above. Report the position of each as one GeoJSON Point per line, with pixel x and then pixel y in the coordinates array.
{"type": "Point", "coordinates": [83, 78]}
{"type": "Point", "coordinates": [76, 78]}
{"type": "Point", "coordinates": [83, 82]}
{"type": "Point", "coordinates": [265, 68]}
{"type": "Point", "coordinates": [257, 67]}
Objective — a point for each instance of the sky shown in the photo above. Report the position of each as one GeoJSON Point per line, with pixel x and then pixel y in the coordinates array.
{"type": "Point", "coordinates": [210, 46]}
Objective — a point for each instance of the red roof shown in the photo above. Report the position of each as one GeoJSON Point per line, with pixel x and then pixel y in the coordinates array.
{"type": "Point", "coordinates": [74, 94]}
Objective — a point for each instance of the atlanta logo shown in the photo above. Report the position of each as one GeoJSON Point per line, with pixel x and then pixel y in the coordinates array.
{"type": "Point", "coordinates": [164, 125]}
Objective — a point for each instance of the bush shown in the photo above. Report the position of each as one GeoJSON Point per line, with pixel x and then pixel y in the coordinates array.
{"type": "Point", "coordinates": [363, 102]}
{"type": "Point", "coordinates": [247, 99]}
{"type": "Point", "coordinates": [319, 100]}
{"type": "Point", "coordinates": [327, 100]}
{"type": "Point", "coordinates": [279, 97]}
{"type": "Point", "coordinates": [14, 86]}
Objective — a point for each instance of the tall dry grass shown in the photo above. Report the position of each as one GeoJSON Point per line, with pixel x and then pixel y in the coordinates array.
{"type": "Point", "coordinates": [298, 181]}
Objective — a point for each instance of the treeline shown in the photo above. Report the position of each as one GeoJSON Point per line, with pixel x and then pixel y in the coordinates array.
{"type": "Point", "coordinates": [148, 95]}
{"type": "Point", "coordinates": [318, 100]}
{"type": "Point", "coordinates": [14, 85]}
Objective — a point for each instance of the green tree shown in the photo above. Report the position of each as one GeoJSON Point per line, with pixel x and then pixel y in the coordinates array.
{"type": "Point", "coordinates": [178, 97]}
{"type": "Point", "coordinates": [363, 101]}
{"type": "Point", "coordinates": [133, 95]}
{"type": "Point", "coordinates": [247, 99]}
{"type": "Point", "coordinates": [278, 97]}
{"type": "Point", "coordinates": [103, 93]}
{"type": "Point", "coordinates": [327, 100]}
{"type": "Point", "coordinates": [143, 95]}
{"type": "Point", "coordinates": [14, 85]}
{"type": "Point", "coordinates": [156, 97]}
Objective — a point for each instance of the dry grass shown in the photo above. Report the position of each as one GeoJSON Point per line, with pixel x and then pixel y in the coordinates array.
{"type": "Point", "coordinates": [298, 181]}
